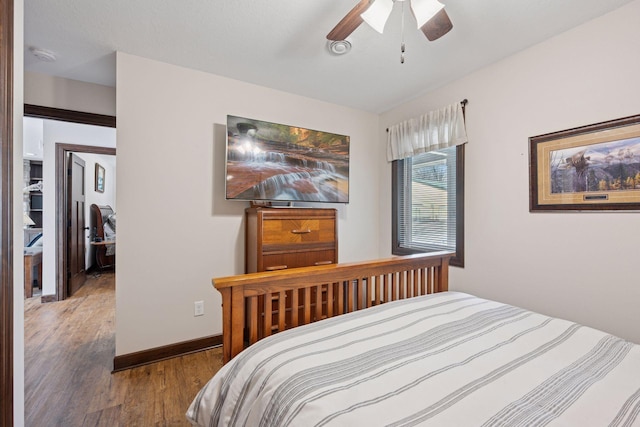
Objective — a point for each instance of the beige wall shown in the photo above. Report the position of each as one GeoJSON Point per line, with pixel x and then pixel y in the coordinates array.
{"type": "Point", "coordinates": [580, 266]}
{"type": "Point", "coordinates": [56, 92]}
{"type": "Point", "coordinates": [175, 229]}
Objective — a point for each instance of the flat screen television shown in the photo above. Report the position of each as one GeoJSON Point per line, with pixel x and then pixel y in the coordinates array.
{"type": "Point", "coordinates": [274, 162]}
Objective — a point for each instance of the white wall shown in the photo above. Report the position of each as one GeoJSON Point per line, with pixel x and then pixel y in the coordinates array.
{"type": "Point", "coordinates": [68, 133]}
{"type": "Point", "coordinates": [91, 196]}
{"type": "Point", "coordinates": [57, 92]}
{"type": "Point", "coordinates": [18, 264]}
{"type": "Point", "coordinates": [580, 266]}
{"type": "Point", "coordinates": [175, 229]}
{"type": "Point", "coordinates": [32, 138]}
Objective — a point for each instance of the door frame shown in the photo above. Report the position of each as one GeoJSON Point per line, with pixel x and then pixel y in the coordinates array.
{"type": "Point", "coordinates": [62, 214]}
{"type": "Point", "coordinates": [6, 212]}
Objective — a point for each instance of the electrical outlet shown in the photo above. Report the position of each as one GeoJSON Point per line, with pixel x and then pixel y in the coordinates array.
{"type": "Point", "coordinates": [198, 308]}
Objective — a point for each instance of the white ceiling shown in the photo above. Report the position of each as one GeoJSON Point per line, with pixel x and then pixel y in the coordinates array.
{"type": "Point", "coordinates": [281, 43]}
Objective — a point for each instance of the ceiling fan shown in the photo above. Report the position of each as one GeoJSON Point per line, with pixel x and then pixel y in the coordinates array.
{"type": "Point", "coordinates": [430, 15]}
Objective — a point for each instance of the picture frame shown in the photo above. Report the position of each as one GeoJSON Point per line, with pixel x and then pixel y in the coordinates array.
{"type": "Point", "coordinates": [100, 175]}
{"type": "Point", "coordinates": [589, 168]}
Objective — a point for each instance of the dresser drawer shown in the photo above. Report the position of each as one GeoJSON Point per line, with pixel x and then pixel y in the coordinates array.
{"type": "Point", "coordinates": [298, 230]}
{"type": "Point", "coordinates": [283, 261]}
{"type": "Point", "coordinates": [278, 238]}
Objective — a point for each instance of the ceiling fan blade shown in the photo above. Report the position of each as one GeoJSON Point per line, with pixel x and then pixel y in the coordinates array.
{"type": "Point", "coordinates": [437, 26]}
{"type": "Point", "coordinates": [349, 23]}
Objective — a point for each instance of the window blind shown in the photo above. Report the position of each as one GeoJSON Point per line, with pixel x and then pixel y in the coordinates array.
{"type": "Point", "coordinates": [427, 201]}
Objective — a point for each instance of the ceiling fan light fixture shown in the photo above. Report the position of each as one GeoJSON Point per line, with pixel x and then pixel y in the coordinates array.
{"type": "Point", "coordinates": [424, 10]}
{"type": "Point", "coordinates": [377, 14]}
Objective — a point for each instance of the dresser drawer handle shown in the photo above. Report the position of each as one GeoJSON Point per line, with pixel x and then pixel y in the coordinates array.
{"type": "Point", "coordinates": [301, 231]}
{"type": "Point", "coordinates": [323, 263]}
{"type": "Point", "coordinates": [276, 267]}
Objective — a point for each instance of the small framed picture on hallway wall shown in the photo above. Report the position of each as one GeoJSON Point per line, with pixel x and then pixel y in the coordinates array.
{"type": "Point", "coordinates": [99, 178]}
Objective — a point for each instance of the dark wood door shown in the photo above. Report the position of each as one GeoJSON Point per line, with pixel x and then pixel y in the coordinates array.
{"type": "Point", "coordinates": [75, 228]}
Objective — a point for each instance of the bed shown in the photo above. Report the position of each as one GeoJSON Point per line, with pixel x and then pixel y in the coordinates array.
{"type": "Point", "coordinates": [415, 354]}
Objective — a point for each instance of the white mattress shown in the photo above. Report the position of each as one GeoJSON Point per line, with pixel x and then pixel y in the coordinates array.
{"type": "Point", "coordinates": [448, 359]}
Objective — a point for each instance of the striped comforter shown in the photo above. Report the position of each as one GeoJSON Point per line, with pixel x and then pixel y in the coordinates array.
{"type": "Point", "coordinates": [448, 359]}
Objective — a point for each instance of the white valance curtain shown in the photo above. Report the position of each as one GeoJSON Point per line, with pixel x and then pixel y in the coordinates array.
{"type": "Point", "coordinates": [432, 131]}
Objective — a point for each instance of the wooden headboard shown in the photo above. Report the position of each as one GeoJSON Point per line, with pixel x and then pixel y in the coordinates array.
{"type": "Point", "coordinates": [99, 215]}
{"type": "Point", "coordinates": [257, 305]}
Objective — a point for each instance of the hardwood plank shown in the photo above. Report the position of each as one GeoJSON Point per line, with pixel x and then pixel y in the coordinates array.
{"type": "Point", "coordinates": [69, 349]}
{"type": "Point", "coordinates": [104, 417]}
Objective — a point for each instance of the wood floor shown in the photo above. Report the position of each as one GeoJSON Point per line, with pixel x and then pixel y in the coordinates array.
{"type": "Point", "coordinates": [69, 350]}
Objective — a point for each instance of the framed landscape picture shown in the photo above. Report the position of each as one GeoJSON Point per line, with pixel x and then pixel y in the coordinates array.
{"type": "Point", "coordinates": [99, 179]}
{"type": "Point", "coordinates": [594, 167]}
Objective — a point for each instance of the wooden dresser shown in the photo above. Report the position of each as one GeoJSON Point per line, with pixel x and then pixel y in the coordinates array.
{"type": "Point", "coordinates": [280, 238]}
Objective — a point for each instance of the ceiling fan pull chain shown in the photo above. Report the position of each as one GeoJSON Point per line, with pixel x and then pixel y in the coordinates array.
{"type": "Point", "coordinates": [402, 35]}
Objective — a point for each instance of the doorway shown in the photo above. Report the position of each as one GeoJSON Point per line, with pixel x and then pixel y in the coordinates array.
{"type": "Point", "coordinates": [66, 267]}
{"type": "Point", "coordinates": [56, 271]}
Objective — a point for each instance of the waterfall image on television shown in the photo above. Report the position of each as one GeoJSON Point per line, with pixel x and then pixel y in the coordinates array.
{"type": "Point", "coordinates": [273, 162]}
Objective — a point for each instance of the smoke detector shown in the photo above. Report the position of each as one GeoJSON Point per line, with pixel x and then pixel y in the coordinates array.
{"type": "Point", "coordinates": [338, 47]}
{"type": "Point", "coordinates": [43, 54]}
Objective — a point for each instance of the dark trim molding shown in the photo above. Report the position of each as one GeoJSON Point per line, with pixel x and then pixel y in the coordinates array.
{"type": "Point", "coordinates": [6, 212]}
{"type": "Point", "coordinates": [144, 357]}
{"type": "Point", "coordinates": [62, 155]}
{"type": "Point", "coordinates": [72, 116]}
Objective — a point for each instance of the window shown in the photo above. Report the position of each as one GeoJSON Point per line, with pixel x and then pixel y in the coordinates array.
{"type": "Point", "coordinates": [428, 203]}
